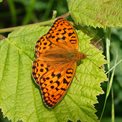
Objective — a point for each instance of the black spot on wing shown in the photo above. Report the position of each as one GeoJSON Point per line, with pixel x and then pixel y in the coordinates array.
{"type": "Point", "coordinates": [65, 81]}
{"type": "Point", "coordinates": [52, 87]}
{"type": "Point", "coordinates": [63, 89]}
{"type": "Point", "coordinates": [57, 89]}
{"type": "Point", "coordinates": [58, 83]}
{"type": "Point", "coordinates": [58, 75]}
{"type": "Point", "coordinates": [53, 75]}
{"type": "Point", "coordinates": [70, 34]}
{"type": "Point", "coordinates": [69, 71]}
{"type": "Point", "coordinates": [69, 77]}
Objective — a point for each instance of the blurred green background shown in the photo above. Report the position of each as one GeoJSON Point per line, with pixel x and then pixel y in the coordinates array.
{"type": "Point", "coordinates": [21, 12]}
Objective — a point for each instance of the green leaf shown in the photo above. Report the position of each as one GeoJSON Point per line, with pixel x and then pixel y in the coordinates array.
{"type": "Point", "coordinates": [97, 13]}
{"type": "Point", "coordinates": [20, 97]}
{"type": "Point", "coordinates": [1, 1]}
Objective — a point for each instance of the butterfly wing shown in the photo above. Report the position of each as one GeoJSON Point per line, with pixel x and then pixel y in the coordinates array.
{"type": "Point", "coordinates": [51, 72]}
{"type": "Point", "coordinates": [42, 45]}
{"type": "Point", "coordinates": [54, 81]}
{"type": "Point", "coordinates": [63, 34]}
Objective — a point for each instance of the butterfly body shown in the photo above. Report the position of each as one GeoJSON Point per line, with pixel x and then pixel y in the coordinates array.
{"type": "Point", "coordinates": [62, 55]}
{"type": "Point", "coordinates": [56, 60]}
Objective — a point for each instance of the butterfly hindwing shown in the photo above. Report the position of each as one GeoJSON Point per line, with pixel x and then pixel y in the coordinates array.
{"type": "Point", "coordinates": [53, 82]}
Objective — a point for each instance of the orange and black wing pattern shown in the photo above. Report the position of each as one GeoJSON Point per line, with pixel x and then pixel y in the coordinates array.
{"type": "Point", "coordinates": [50, 69]}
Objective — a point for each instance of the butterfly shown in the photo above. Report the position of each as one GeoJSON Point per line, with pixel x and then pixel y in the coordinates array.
{"type": "Point", "coordinates": [56, 60]}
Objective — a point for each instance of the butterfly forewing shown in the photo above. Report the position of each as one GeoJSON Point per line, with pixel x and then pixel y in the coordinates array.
{"type": "Point", "coordinates": [63, 34]}
{"type": "Point", "coordinates": [42, 45]}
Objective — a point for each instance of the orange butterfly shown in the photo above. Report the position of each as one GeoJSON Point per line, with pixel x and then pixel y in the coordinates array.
{"type": "Point", "coordinates": [56, 60]}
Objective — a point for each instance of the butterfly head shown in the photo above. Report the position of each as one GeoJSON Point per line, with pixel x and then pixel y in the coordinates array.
{"type": "Point", "coordinates": [81, 56]}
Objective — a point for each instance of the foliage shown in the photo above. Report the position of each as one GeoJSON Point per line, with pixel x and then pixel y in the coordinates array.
{"type": "Point", "coordinates": [19, 96]}
{"type": "Point", "coordinates": [96, 13]}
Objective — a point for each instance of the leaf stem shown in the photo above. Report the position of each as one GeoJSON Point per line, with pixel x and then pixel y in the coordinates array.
{"type": "Point", "coordinates": [113, 110]}
{"type": "Point", "coordinates": [4, 30]}
{"type": "Point", "coordinates": [107, 39]}
{"type": "Point", "coordinates": [17, 27]}
{"type": "Point", "coordinates": [109, 87]}
{"type": "Point", "coordinates": [120, 61]}
{"type": "Point", "coordinates": [54, 14]}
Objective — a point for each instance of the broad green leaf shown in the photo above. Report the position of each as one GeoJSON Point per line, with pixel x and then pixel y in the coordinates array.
{"type": "Point", "coordinates": [1, 1]}
{"type": "Point", "coordinates": [97, 13]}
{"type": "Point", "coordinates": [20, 97]}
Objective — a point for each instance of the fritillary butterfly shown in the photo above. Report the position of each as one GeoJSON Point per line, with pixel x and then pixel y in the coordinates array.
{"type": "Point", "coordinates": [56, 60]}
